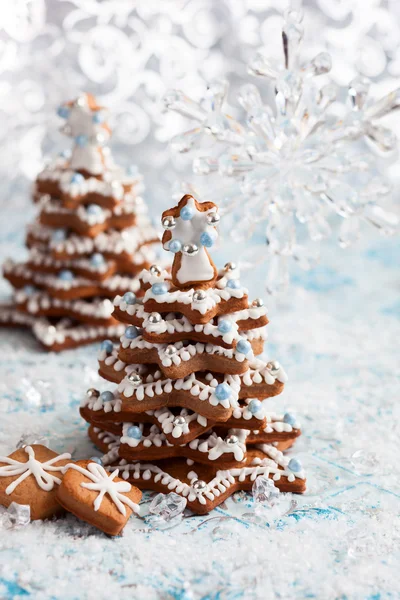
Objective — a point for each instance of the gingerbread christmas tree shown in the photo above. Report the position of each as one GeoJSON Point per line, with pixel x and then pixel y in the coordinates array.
{"type": "Point", "coordinates": [190, 412]}
{"type": "Point", "coordinates": [90, 239]}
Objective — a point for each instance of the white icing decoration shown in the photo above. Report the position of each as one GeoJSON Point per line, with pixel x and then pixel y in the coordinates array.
{"type": "Point", "coordinates": [42, 302]}
{"type": "Point", "coordinates": [203, 391]}
{"type": "Point", "coordinates": [274, 464]}
{"type": "Point", "coordinates": [213, 296]}
{"type": "Point", "coordinates": [42, 472]}
{"type": "Point", "coordinates": [53, 282]}
{"type": "Point", "coordinates": [172, 324]}
{"type": "Point", "coordinates": [103, 483]}
{"type": "Point", "coordinates": [184, 351]}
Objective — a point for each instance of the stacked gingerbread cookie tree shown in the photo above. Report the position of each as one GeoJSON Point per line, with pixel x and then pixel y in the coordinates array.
{"type": "Point", "coordinates": [190, 413]}
{"type": "Point", "coordinates": [89, 241]}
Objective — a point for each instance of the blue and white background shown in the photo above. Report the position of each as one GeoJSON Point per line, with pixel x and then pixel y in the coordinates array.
{"type": "Point", "coordinates": [336, 333]}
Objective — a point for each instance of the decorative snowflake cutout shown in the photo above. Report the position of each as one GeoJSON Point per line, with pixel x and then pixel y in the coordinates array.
{"type": "Point", "coordinates": [297, 163]}
{"type": "Point", "coordinates": [104, 483]}
{"type": "Point", "coordinates": [42, 472]}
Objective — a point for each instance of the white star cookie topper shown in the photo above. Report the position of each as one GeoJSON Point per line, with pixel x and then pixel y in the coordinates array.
{"type": "Point", "coordinates": [190, 229]}
{"type": "Point", "coordinates": [85, 122]}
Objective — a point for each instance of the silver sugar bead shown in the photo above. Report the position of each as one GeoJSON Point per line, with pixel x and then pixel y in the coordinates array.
{"type": "Point", "coordinates": [199, 295]}
{"type": "Point", "coordinates": [93, 393]}
{"type": "Point", "coordinates": [213, 218]}
{"type": "Point", "coordinates": [135, 378]}
{"type": "Point", "coordinates": [273, 367]}
{"type": "Point", "coordinates": [231, 440]}
{"type": "Point", "coordinates": [99, 138]}
{"type": "Point", "coordinates": [170, 350]}
{"type": "Point", "coordinates": [155, 270]}
{"type": "Point", "coordinates": [258, 302]}
{"type": "Point", "coordinates": [155, 318]}
{"type": "Point", "coordinates": [115, 184]}
{"type": "Point", "coordinates": [190, 249]}
{"type": "Point", "coordinates": [168, 222]}
{"type": "Point", "coordinates": [81, 101]}
{"type": "Point", "coordinates": [230, 266]}
{"type": "Point", "coordinates": [199, 485]}
{"type": "Point", "coordinates": [179, 421]}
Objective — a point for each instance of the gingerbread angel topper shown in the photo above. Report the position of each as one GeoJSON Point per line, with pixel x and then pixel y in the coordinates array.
{"type": "Point", "coordinates": [86, 124]}
{"type": "Point", "coordinates": [190, 230]}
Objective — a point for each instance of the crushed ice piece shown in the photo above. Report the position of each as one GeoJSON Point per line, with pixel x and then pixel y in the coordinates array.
{"type": "Point", "coordinates": [30, 438]}
{"type": "Point", "coordinates": [265, 491]}
{"type": "Point", "coordinates": [38, 392]}
{"type": "Point", "coordinates": [365, 462]}
{"type": "Point", "coordinates": [166, 510]}
{"type": "Point", "coordinates": [17, 515]}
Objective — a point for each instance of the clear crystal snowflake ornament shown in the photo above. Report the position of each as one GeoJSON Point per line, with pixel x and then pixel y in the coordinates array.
{"type": "Point", "coordinates": [297, 162]}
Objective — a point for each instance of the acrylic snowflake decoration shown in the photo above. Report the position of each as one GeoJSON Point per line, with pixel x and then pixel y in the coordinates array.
{"type": "Point", "coordinates": [296, 163]}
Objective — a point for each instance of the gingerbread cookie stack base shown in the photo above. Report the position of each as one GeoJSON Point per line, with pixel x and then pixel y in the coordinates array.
{"type": "Point", "coordinates": [90, 239]}
{"type": "Point", "coordinates": [190, 412]}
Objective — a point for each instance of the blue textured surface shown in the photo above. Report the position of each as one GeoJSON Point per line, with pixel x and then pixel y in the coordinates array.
{"type": "Point", "coordinates": [337, 334]}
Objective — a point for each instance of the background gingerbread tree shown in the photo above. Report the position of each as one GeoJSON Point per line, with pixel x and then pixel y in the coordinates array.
{"type": "Point", "coordinates": [89, 241]}
{"type": "Point", "coordinates": [190, 413]}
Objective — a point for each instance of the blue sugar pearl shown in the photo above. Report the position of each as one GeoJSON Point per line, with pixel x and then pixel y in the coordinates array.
{"type": "Point", "coordinates": [159, 288]}
{"type": "Point", "coordinates": [207, 239]}
{"type": "Point", "coordinates": [243, 346]}
{"type": "Point", "coordinates": [131, 332]}
{"type": "Point", "coordinates": [96, 459]}
{"type": "Point", "coordinates": [63, 111]}
{"type": "Point", "coordinates": [224, 325]}
{"type": "Point", "coordinates": [133, 170]}
{"type": "Point", "coordinates": [66, 275]}
{"type": "Point", "coordinates": [134, 432]}
{"type": "Point", "coordinates": [65, 154]}
{"type": "Point", "coordinates": [295, 465]}
{"type": "Point", "coordinates": [186, 213]}
{"type": "Point", "coordinates": [234, 284]}
{"type": "Point", "coordinates": [81, 140]}
{"type": "Point", "coordinates": [77, 178]}
{"type": "Point", "coordinates": [129, 298]}
{"type": "Point", "coordinates": [98, 117]}
{"type": "Point", "coordinates": [106, 396]}
{"type": "Point", "coordinates": [107, 345]}
{"type": "Point", "coordinates": [29, 289]}
{"type": "Point", "coordinates": [289, 419]}
{"type": "Point", "coordinates": [175, 246]}
{"type": "Point", "coordinates": [97, 259]}
{"type": "Point", "coordinates": [222, 391]}
{"type": "Point", "coordinates": [94, 209]}
{"type": "Point", "coordinates": [59, 235]}
{"type": "Point", "coordinates": [254, 406]}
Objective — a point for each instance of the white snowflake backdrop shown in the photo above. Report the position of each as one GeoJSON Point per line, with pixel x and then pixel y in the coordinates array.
{"type": "Point", "coordinates": [129, 53]}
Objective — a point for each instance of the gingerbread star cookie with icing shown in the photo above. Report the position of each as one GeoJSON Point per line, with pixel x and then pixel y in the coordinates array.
{"type": "Point", "coordinates": [89, 220]}
{"type": "Point", "coordinates": [31, 476]}
{"type": "Point", "coordinates": [205, 485]}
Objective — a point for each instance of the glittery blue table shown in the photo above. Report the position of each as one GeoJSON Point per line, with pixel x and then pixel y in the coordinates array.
{"type": "Point", "coordinates": [337, 334]}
